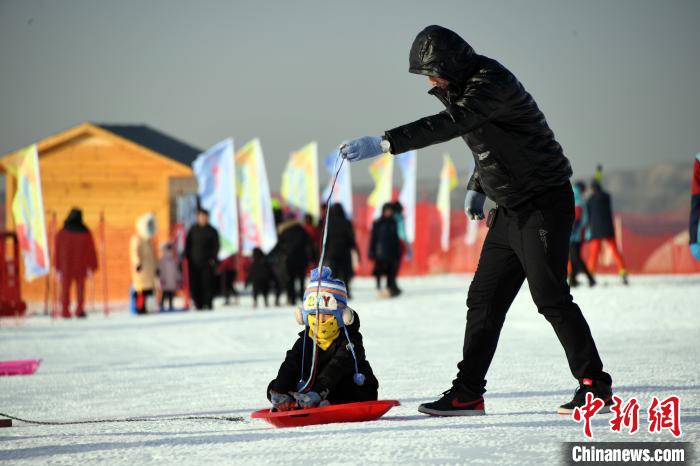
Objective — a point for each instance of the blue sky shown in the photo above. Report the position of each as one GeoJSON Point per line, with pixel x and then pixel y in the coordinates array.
{"type": "Point", "coordinates": [617, 81]}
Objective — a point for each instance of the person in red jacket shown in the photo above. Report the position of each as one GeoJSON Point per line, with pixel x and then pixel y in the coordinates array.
{"type": "Point", "coordinates": [74, 259]}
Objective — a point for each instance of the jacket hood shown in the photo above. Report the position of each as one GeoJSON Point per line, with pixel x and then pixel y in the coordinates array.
{"type": "Point", "coordinates": [74, 221]}
{"type": "Point", "coordinates": [439, 52]}
{"type": "Point", "coordinates": [146, 226]}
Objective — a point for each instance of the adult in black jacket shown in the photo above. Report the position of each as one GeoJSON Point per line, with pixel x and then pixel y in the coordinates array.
{"type": "Point", "coordinates": [385, 249]}
{"type": "Point", "coordinates": [201, 250]}
{"type": "Point", "coordinates": [340, 245]}
{"type": "Point", "coordinates": [293, 252]}
{"type": "Point", "coordinates": [520, 166]}
{"type": "Point", "coordinates": [335, 369]}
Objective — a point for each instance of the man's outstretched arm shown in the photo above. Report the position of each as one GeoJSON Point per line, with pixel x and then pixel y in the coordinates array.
{"type": "Point", "coordinates": [469, 112]}
{"type": "Point", "coordinates": [433, 129]}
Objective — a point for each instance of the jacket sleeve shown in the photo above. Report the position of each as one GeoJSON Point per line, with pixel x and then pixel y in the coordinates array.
{"type": "Point", "coordinates": [289, 372]}
{"type": "Point", "coordinates": [372, 252]}
{"type": "Point", "coordinates": [473, 184]}
{"type": "Point", "coordinates": [471, 110]}
{"type": "Point", "coordinates": [91, 253]}
{"type": "Point", "coordinates": [215, 245]}
{"type": "Point", "coordinates": [188, 245]}
{"type": "Point", "coordinates": [134, 255]}
{"type": "Point", "coordinates": [58, 252]}
{"type": "Point", "coordinates": [340, 366]}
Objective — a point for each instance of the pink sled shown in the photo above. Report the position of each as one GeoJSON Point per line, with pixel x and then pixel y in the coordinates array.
{"type": "Point", "coordinates": [21, 367]}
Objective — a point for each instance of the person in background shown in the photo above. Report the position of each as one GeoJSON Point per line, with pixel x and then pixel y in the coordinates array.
{"type": "Point", "coordinates": [201, 250]}
{"type": "Point", "coordinates": [262, 277]}
{"type": "Point", "coordinates": [340, 245]}
{"type": "Point", "coordinates": [169, 275]}
{"type": "Point", "coordinates": [404, 244]}
{"type": "Point", "coordinates": [227, 273]}
{"type": "Point", "coordinates": [293, 253]}
{"type": "Point", "coordinates": [577, 235]}
{"type": "Point", "coordinates": [315, 233]}
{"type": "Point", "coordinates": [74, 260]}
{"type": "Point", "coordinates": [695, 210]}
{"type": "Point", "coordinates": [601, 230]}
{"type": "Point", "coordinates": [276, 257]}
{"type": "Point", "coordinates": [384, 250]}
{"type": "Point", "coordinates": [143, 261]}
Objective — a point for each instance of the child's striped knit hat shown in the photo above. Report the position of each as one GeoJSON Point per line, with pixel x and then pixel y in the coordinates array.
{"type": "Point", "coordinates": [333, 295]}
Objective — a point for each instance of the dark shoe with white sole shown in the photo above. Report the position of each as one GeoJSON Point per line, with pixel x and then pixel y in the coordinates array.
{"type": "Point", "coordinates": [599, 389]}
{"type": "Point", "coordinates": [455, 403]}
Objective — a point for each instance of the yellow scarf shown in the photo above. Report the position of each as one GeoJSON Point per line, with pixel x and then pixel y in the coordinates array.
{"type": "Point", "coordinates": [327, 331]}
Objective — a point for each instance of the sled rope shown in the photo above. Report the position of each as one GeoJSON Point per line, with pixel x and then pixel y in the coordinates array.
{"type": "Point", "coordinates": [127, 419]}
{"type": "Point", "coordinates": [314, 354]}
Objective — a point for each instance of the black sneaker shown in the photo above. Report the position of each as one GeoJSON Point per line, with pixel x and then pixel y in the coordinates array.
{"type": "Point", "coordinates": [599, 389]}
{"type": "Point", "coordinates": [452, 404]}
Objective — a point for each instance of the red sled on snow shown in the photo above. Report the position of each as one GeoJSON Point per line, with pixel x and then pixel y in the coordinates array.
{"type": "Point", "coordinates": [22, 367]}
{"type": "Point", "coordinates": [347, 412]}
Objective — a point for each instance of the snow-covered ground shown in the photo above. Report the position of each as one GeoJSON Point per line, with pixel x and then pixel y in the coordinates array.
{"type": "Point", "coordinates": [219, 363]}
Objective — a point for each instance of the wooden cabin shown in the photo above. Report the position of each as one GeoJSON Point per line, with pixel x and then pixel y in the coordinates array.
{"type": "Point", "coordinates": [119, 172]}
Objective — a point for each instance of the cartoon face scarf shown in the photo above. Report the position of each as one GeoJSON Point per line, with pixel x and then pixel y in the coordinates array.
{"type": "Point", "coordinates": [328, 331]}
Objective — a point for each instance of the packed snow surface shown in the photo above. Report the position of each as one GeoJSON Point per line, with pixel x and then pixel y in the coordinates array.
{"type": "Point", "coordinates": [219, 363]}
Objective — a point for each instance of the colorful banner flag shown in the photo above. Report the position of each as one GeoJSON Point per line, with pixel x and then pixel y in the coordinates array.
{"type": "Point", "coordinates": [342, 194]}
{"type": "Point", "coordinates": [257, 220]}
{"type": "Point", "coordinates": [216, 180]}
{"type": "Point", "coordinates": [448, 182]}
{"type": "Point", "coordinates": [407, 197]}
{"type": "Point", "coordinates": [300, 181]}
{"type": "Point", "coordinates": [382, 172]}
{"type": "Point", "coordinates": [28, 212]}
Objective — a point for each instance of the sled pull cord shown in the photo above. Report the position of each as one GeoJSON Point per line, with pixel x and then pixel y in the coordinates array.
{"type": "Point", "coordinates": [358, 378]}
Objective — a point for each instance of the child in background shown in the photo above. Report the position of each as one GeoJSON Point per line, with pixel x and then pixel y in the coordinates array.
{"type": "Point", "coordinates": [261, 276]}
{"type": "Point", "coordinates": [169, 275]}
{"type": "Point", "coordinates": [226, 271]}
{"type": "Point", "coordinates": [341, 374]}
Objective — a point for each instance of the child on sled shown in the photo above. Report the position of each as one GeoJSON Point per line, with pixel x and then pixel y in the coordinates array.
{"type": "Point", "coordinates": [327, 363]}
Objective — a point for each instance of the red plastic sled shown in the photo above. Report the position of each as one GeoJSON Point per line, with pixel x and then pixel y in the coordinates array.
{"type": "Point", "coordinates": [347, 412]}
{"type": "Point", "coordinates": [23, 367]}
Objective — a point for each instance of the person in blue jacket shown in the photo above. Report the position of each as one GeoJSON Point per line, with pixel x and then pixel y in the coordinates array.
{"type": "Point", "coordinates": [695, 211]}
{"type": "Point", "coordinates": [577, 236]}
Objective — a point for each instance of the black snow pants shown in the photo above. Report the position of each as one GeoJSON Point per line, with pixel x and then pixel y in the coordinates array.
{"type": "Point", "coordinates": [202, 285]}
{"type": "Point", "coordinates": [531, 243]}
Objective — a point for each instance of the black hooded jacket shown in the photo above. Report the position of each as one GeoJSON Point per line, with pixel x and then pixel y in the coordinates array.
{"type": "Point", "coordinates": [516, 156]}
{"type": "Point", "coordinates": [600, 215]}
{"type": "Point", "coordinates": [335, 370]}
{"type": "Point", "coordinates": [74, 222]}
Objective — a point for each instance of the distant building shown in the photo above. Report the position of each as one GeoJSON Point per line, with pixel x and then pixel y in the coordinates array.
{"type": "Point", "coordinates": [120, 171]}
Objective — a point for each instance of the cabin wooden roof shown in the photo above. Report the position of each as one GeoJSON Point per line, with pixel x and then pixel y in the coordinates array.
{"type": "Point", "coordinates": [155, 140]}
{"type": "Point", "coordinates": [147, 138]}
